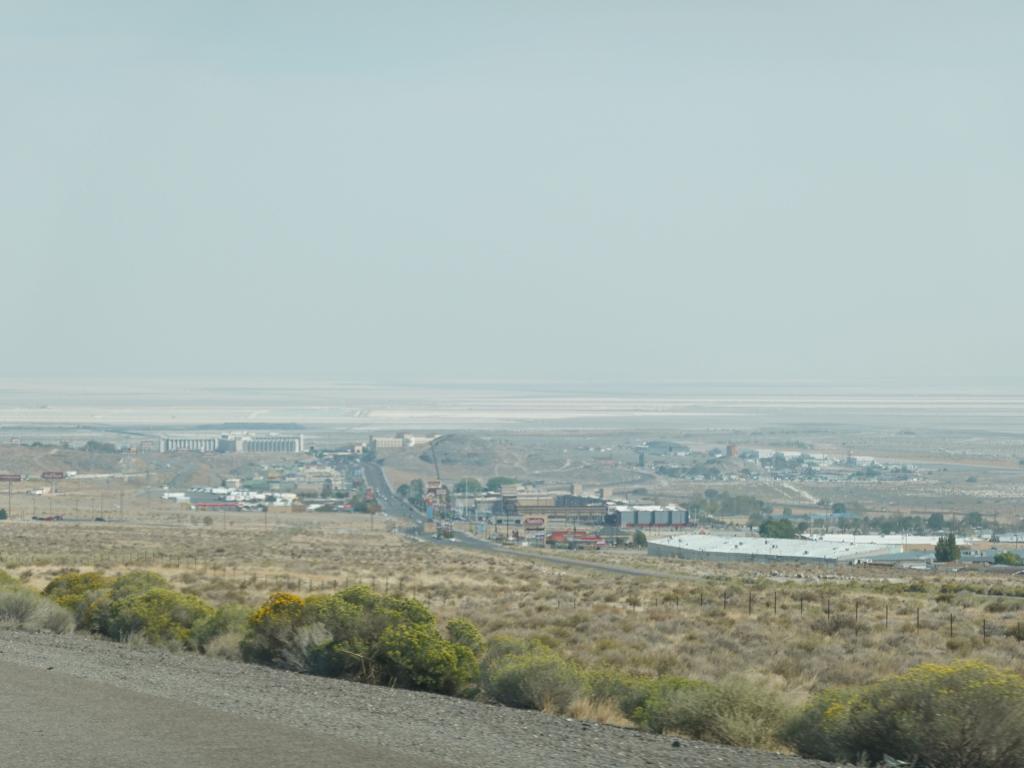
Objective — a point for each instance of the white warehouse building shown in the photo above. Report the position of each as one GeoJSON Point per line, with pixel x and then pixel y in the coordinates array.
{"type": "Point", "coordinates": [233, 444]}
{"type": "Point", "coordinates": [755, 549]}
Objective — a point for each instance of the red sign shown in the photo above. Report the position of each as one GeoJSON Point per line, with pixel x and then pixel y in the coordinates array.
{"type": "Point", "coordinates": [53, 475]}
{"type": "Point", "coordinates": [10, 478]}
{"type": "Point", "coordinates": [533, 522]}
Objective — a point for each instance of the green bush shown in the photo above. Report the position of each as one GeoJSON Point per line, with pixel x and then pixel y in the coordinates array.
{"type": "Point", "coordinates": [24, 609]}
{"type": "Point", "coordinates": [965, 715]}
{"type": "Point", "coordinates": [628, 692]}
{"type": "Point", "coordinates": [81, 593]}
{"type": "Point", "coordinates": [161, 616]}
{"type": "Point", "coordinates": [416, 656]}
{"type": "Point", "coordinates": [1008, 558]}
{"type": "Point", "coordinates": [463, 632]}
{"type": "Point", "coordinates": [671, 705]}
{"type": "Point", "coordinates": [363, 635]}
{"type": "Point", "coordinates": [67, 588]}
{"type": "Point", "coordinates": [272, 628]}
{"type": "Point", "coordinates": [230, 619]}
{"type": "Point", "coordinates": [134, 582]}
{"type": "Point", "coordinates": [529, 676]}
{"type": "Point", "coordinates": [469, 646]}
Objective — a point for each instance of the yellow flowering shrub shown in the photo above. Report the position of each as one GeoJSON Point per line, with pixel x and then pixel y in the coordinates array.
{"type": "Point", "coordinates": [272, 628]}
{"type": "Point", "coordinates": [81, 593]}
{"type": "Point", "coordinates": [162, 616]}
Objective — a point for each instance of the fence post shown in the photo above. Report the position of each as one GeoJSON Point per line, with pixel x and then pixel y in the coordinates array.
{"type": "Point", "coordinates": [951, 625]}
{"type": "Point", "coordinates": [750, 603]}
{"type": "Point", "coordinates": [775, 600]}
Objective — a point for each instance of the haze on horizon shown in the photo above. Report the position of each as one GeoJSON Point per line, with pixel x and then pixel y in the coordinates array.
{"type": "Point", "coordinates": [575, 191]}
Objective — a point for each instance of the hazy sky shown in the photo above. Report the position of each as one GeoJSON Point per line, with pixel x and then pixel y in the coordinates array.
{"type": "Point", "coordinates": [623, 191]}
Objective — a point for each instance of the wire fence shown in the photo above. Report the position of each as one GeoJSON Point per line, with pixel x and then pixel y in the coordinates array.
{"type": "Point", "coordinates": [823, 612]}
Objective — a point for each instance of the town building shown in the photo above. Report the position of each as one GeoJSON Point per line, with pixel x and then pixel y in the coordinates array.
{"type": "Point", "coordinates": [233, 444]}
{"type": "Point", "coordinates": [761, 550]}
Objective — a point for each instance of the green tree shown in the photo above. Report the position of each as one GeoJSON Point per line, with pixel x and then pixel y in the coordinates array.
{"type": "Point", "coordinates": [946, 549]}
{"type": "Point", "coordinates": [1008, 558]}
{"type": "Point", "coordinates": [777, 529]}
{"type": "Point", "coordinates": [468, 485]}
{"type": "Point", "coordinates": [96, 446]}
{"type": "Point", "coordinates": [936, 521]}
{"type": "Point", "coordinates": [495, 483]}
{"type": "Point", "coordinates": [416, 490]}
{"type": "Point", "coordinates": [973, 520]}
{"type": "Point", "coordinates": [3, 514]}
{"type": "Point", "coordinates": [639, 538]}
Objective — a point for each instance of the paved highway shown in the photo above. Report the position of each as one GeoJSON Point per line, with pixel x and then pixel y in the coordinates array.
{"type": "Point", "coordinates": [399, 508]}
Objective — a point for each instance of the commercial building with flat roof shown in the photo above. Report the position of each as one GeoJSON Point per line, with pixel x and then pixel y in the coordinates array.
{"type": "Point", "coordinates": [233, 444]}
{"type": "Point", "coordinates": [199, 444]}
{"type": "Point", "coordinates": [756, 549]}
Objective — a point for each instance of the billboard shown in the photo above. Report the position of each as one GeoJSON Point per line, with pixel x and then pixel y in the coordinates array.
{"type": "Point", "coordinates": [534, 523]}
{"type": "Point", "coordinates": [53, 475]}
{"type": "Point", "coordinates": [8, 478]}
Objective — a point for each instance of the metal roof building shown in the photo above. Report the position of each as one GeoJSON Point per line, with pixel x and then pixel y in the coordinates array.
{"type": "Point", "coordinates": [756, 549]}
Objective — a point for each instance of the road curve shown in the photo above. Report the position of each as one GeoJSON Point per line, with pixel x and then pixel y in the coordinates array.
{"type": "Point", "coordinates": [392, 505]}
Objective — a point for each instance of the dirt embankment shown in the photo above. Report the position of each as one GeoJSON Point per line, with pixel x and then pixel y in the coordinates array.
{"type": "Point", "coordinates": [436, 730]}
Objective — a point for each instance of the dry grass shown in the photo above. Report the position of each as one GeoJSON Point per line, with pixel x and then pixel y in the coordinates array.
{"type": "Point", "coordinates": [750, 621]}
{"type": "Point", "coordinates": [600, 711]}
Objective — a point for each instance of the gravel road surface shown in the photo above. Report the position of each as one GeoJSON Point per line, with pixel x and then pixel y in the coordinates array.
{"type": "Point", "coordinates": [79, 701]}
